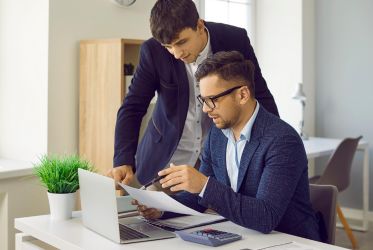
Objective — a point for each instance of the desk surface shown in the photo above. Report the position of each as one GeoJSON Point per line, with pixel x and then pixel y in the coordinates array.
{"type": "Point", "coordinates": [71, 234]}
{"type": "Point", "coordinates": [318, 146]}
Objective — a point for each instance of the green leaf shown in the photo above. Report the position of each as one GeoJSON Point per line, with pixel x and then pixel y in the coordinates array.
{"type": "Point", "coordinates": [59, 174]}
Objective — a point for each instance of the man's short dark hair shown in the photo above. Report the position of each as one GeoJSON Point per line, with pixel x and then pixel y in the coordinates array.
{"type": "Point", "coordinates": [229, 66]}
{"type": "Point", "coordinates": [169, 17]}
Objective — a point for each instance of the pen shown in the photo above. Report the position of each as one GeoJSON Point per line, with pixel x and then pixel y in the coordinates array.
{"type": "Point", "coordinates": [154, 180]}
{"type": "Point", "coordinates": [151, 182]}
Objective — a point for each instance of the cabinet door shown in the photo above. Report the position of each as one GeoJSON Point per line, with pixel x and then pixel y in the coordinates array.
{"type": "Point", "coordinates": [101, 92]}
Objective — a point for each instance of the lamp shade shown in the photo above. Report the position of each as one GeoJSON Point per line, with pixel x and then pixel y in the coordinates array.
{"type": "Point", "coordinates": [299, 94]}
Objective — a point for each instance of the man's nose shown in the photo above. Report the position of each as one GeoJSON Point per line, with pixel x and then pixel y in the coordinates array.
{"type": "Point", "coordinates": [206, 108]}
{"type": "Point", "coordinates": [177, 53]}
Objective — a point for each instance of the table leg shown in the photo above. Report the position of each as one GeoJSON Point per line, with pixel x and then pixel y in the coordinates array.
{"type": "Point", "coordinates": [365, 189]}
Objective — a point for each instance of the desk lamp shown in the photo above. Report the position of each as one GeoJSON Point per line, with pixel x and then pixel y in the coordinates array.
{"type": "Point", "coordinates": [299, 95]}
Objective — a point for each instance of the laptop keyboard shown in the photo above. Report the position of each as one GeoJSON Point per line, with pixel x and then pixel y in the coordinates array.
{"type": "Point", "coordinates": [127, 233]}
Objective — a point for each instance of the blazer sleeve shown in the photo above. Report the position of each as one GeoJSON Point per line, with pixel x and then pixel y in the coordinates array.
{"type": "Point", "coordinates": [262, 93]}
{"type": "Point", "coordinates": [130, 114]}
{"type": "Point", "coordinates": [285, 162]}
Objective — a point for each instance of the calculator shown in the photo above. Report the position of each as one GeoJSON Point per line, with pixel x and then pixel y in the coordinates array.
{"type": "Point", "coordinates": [209, 237]}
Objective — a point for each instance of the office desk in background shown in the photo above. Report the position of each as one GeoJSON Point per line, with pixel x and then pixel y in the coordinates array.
{"type": "Point", "coordinates": [318, 146]}
{"type": "Point", "coordinates": [72, 235]}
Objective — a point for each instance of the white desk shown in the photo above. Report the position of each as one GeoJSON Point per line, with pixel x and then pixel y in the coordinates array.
{"type": "Point", "coordinates": [73, 235]}
{"type": "Point", "coordinates": [316, 147]}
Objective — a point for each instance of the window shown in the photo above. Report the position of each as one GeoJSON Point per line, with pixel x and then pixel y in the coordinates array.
{"type": "Point", "coordinates": [239, 13]}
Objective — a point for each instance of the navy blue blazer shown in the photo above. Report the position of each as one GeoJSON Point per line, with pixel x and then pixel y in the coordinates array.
{"type": "Point", "coordinates": [159, 71]}
{"type": "Point", "coordinates": [272, 188]}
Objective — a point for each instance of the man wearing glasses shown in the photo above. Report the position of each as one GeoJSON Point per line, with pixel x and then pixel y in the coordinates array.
{"type": "Point", "coordinates": [168, 61]}
{"type": "Point", "coordinates": [254, 166]}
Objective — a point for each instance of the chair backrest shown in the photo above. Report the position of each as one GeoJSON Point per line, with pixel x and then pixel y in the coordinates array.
{"type": "Point", "coordinates": [337, 171]}
{"type": "Point", "coordinates": [324, 199]}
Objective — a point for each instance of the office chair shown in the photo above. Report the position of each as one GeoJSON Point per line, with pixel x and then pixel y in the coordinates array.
{"type": "Point", "coordinates": [337, 173]}
{"type": "Point", "coordinates": [324, 200]}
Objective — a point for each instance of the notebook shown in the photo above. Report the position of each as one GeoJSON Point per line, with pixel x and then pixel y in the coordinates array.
{"type": "Point", "coordinates": [188, 221]}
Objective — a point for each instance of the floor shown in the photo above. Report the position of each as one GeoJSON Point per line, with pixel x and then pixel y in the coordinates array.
{"type": "Point", "coordinates": [365, 240]}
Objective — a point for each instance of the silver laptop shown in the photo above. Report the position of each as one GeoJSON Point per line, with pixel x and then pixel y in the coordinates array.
{"type": "Point", "coordinates": [100, 212]}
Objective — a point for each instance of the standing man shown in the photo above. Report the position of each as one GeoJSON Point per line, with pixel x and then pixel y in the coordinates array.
{"type": "Point", "coordinates": [168, 61]}
{"type": "Point", "coordinates": [254, 166]}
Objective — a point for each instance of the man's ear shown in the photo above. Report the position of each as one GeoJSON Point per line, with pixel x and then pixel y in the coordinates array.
{"type": "Point", "coordinates": [200, 25]}
{"type": "Point", "coordinates": [245, 95]}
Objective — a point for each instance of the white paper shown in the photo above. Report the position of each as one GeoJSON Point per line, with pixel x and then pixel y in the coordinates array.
{"type": "Point", "coordinates": [289, 246]}
{"type": "Point", "coordinates": [159, 200]}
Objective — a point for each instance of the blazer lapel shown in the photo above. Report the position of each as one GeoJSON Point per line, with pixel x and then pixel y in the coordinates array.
{"type": "Point", "coordinates": [247, 155]}
{"type": "Point", "coordinates": [221, 170]}
{"type": "Point", "coordinates": [252, 145]}
{"type": "Point", "coordinates": [183, 93]}
{"type": "Point", "coordinates": [215, 42]}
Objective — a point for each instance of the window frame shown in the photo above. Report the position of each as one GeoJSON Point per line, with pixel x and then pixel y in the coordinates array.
{"type": "Point", "coordinates": [201, 5]}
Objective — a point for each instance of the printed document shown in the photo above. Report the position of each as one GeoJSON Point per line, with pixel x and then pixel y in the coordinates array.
{"type": "Point", "coordinates": [159, 200]}
{"type": "Point", "coordinates": [288, 246]}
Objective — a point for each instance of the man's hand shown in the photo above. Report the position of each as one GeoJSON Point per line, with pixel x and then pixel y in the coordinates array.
{"type": "Point", "coordinates": [183, 177]}
{"type": "Point", "coordinates": [122, 174]}
{"type": "Point", "coordinates": [147, 213]}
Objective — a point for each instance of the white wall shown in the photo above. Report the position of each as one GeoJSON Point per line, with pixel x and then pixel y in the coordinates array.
{"type": "Point", "coordinates": [284, 47]}
{"type": "Point", "coordinates": [344, 81]}
{"type": "Point", "coordinates": [308, 67]}
{"type": "Point", "coordinates": [71, 21]}
{"type": "Point", "coordinates": [39, 109]}
{"type": "Point", "coordinates": [23, 78]}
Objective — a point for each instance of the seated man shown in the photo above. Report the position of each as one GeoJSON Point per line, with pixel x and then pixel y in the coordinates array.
{"type": "Point", "coordinates": [254, 166]}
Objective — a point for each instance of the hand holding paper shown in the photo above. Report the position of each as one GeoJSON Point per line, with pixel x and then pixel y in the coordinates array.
{"type": "Point", "coordinates": [147, 213]}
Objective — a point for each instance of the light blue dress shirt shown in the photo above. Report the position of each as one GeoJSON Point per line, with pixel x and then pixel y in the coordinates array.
{"type": "Point", "coordinates": [235, 149]}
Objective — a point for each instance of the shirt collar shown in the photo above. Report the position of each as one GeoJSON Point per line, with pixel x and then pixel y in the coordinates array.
{"type": "Point", "coordinates": [205, 52]}
{"type": "Point", "coordinates": [246, 131]}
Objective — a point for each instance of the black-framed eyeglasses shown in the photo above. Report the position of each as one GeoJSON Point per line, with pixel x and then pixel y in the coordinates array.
{"type": "Point", "coordinates": [210, 101]}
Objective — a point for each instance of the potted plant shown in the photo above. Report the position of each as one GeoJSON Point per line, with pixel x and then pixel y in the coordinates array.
{"type": "Point", "coordinates": [59, 174]}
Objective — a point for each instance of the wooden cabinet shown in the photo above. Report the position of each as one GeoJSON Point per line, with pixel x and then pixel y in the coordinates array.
{"type": "Point", "coordinates": [102, 89]}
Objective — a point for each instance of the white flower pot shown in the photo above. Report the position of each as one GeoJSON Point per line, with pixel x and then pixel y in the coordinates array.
{"type": "Point", "coordinates": [61, 205]}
